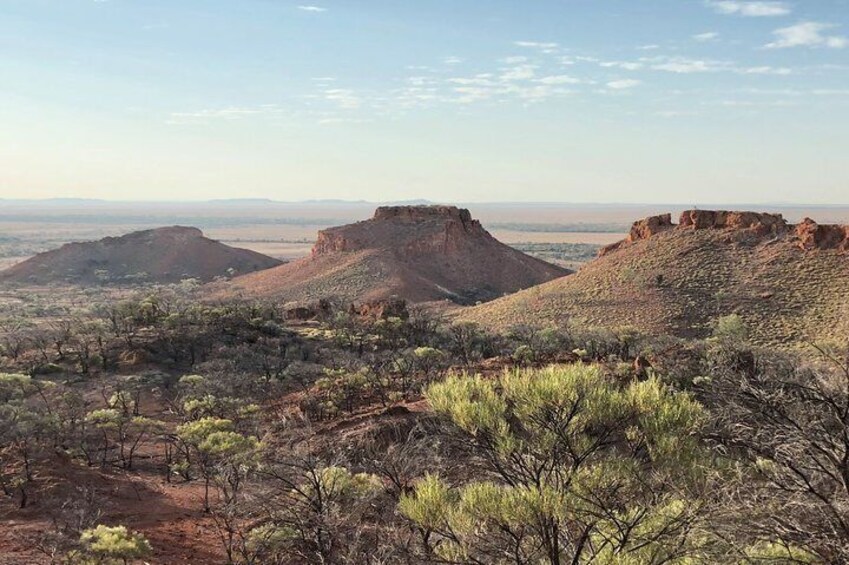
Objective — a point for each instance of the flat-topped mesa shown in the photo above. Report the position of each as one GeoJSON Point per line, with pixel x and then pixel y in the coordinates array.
{"type": "Point", "coordinates": [168, 232]}
{"type": "Point", "coordinates": [760, 223]}
{"type": "Point", "coordinates": [414, 253]}
{"type": "Point", "coordinates": [422, 213]}
{"type": "Point", "coordinates": [406, 229]}
{"type": "Point", "coordinates": [822, 236]}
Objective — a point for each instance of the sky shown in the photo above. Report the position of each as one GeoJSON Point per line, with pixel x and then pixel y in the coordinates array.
{"type": "Point", "coordinates": [649, 101]}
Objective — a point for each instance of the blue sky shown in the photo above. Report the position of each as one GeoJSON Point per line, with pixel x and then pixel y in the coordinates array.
{"type": "Point", "coordinates": [685, 101]}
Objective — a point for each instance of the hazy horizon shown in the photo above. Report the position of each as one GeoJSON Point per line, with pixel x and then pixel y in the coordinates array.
{"type": "Point", "coordinates": [560, 101]}
{"type": "Point", "coordinates": [423, 202]}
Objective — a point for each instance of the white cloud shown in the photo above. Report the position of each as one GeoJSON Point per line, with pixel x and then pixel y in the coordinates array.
{"type": "Point", "coordinates": [750, 9]}
{"type": "Point", "coordinates": [559, 79]}
{"type": "Point", "coordinates": [229, 113]}
{"type": "Point", "coordinates": [683, 65]}
{"type": "Point", "coordinates": [623, 84]}
{"type": "Point", "coordinates": [651, 47]}
{"type": "Point", "coordinates": [707, 36]}
{"type": "Point", "coordinates": [343, 97]}
{"type": "Point", "coordinates": [519, 72]}
{"type": "Point", "coordinates": [420, 81]}
{"type": "Point", "coordinates": [314, 9]}
{"type": "Point", "coordinates": [470, 94]}
{"type": "Point", "coordinates": [625, 65]}
{"type": "Point", "coordinates": [831, 92]}
{"type": "Point", "coordinates": [674, 113]}
{"type": "Point", "coordinates": [513, 60]}
{"type": "Point", "coordinates": [452, 60]}
{"type": "Point", "coordinates": [807, 34]}
{"type": "Point", "coordinates": [783, 71]}
{"type": "Point", "coordinates": [545, 47]}
{"type": "Point", "coordinates": [477, 80]}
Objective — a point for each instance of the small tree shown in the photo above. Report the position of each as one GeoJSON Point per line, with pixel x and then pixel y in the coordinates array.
{"type": "Point", "coordinates": [216, 446]}
{"type": "Point", "coordinates": [582, 469]}
{"type": "Point", "coordinates": [318, 510]}
{"type": "Point", "coordinates": [114, 544]}
{"type": "Point", "coordinates": [731, 327]}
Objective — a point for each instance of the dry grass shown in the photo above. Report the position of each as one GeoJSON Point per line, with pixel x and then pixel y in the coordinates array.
{"type": "Point", "coordinates": [681, 282]}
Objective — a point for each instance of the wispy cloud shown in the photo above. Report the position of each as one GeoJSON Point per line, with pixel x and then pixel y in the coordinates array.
{"type": "Point", "coordinates": [228, 113]}
{"type": "Point", "coordinates": [675, 113]}
{"type": "Point", "coordinates": [623, 84]}
{"type": "Point", "coordinates": [543, 46]}
{"type": "Point", "coordinates": [452, 60]}
{"type": "Point", "coordinates": [625, 65]}
{"type": "Point", "coordinates": [519, 72]}
{"type": "Point", "coordinates": [314, 9]}
{"type": "Point", "coordinates": [831, 92]}
{"type": "Point", "coordinates": [559, 79]}
{"type": "Point", "coordinates": [807, 34]}
{"type": "Point", "coordinates": [343, 97]}
{"type": "Point", "coordinates": [707, 36]}
{"type": "Point", "coordinates": [684, 65]}
{"type": "Point", "coordinates": [750, 9]}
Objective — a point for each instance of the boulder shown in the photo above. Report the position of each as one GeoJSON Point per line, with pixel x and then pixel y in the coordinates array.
{"type": "Point", "coordinates": [382, 309]}
{"type": "Point", "coordinates": [653, 225]}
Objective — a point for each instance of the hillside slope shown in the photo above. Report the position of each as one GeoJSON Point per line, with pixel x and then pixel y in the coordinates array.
{"type": "Point", "coordinates": [419, 253]}
{"type": "Point", "coordinates": [789, 283]}
{"type": "Point", "coordinates": [162, 255]}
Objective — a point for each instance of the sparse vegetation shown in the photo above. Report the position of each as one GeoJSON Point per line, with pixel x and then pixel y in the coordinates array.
{"type": "Point", "coordinates": [156, 425]}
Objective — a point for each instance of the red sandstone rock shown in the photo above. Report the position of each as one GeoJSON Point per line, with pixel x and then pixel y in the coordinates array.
{"type": "Point", "coordinates": [644, 229]}
{"type": "Point", "coordinates": [761, 224]}
{"type": "Point", "coordinates": [815, 236]}
{"type": "Point", "coordinates": [641, 229]}
{"type": "Point", "coordinates": [382, 309]}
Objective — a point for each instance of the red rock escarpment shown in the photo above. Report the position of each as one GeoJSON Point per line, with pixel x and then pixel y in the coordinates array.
{"type": "Point", "coordinates": [441, 229]}
{"type": "Point", "coordinates": [760, 223]}
{"type": "Point", "coordinates": [810, 235]}
{"type": "Point", "coordinates": [642, 229]}
{"type": "Point", "coordinates": [815, 236]}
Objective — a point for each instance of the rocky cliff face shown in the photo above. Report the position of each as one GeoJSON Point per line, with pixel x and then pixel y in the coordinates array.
{"type": "Point", "coordinates": [762, 224]}
{"type": "Point", "coordinates": [808, 234]}
{"type": "Point", "coordinates": [424, 213]}
{"type": "Point", "coordinates": [815, 236]}
{"type": "Point", "coordinates": [410, 230]}
{"type": "Point", "coordinates": [644, 229]}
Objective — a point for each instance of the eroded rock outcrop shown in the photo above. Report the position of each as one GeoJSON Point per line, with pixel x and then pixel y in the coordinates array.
{"type": "Point", "coordinates": [644, 229]}
{"type": "Point", "coordinates": [382, 309]}
{"type": "Point", "coordinates": [751, 225]}
{"type": "Point", "coordinates": [760, 223]}
{"type": "Point", "coordinates": [414, 230]}
{"type": "Point", "coordinates": [822, 236]}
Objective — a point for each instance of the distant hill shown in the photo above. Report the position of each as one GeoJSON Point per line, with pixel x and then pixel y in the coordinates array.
{"type": "Point", "coordinates": [788, 282]}
{"type": "Point", "coordinates": [419, 253]}
{"type": "Point", "coordinates": [160, 255]}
